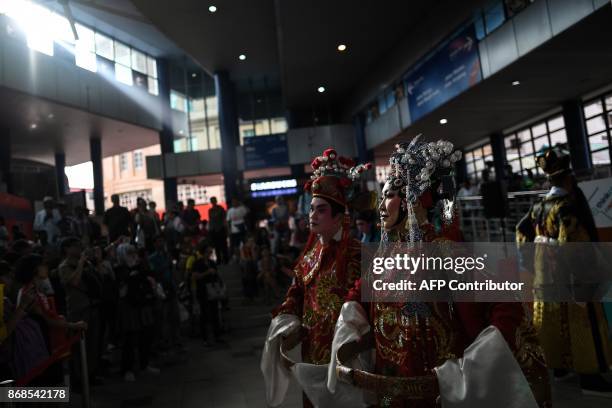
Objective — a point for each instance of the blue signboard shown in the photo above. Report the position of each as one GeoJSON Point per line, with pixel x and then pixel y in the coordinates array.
{"type": "Point", "coordinates": [265, 151]}
{"type": "Point", "coordinates": [450, 70]}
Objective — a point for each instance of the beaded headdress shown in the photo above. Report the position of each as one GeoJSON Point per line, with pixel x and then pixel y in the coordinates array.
{"type": "Point", "coordinates": [415, 167]}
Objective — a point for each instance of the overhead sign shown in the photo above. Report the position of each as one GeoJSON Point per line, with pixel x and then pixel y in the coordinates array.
{"type": "Point", "coordinates": [265, 151]}
{"type": "Point", "coordinates": [450, 70]}
{"type": "Point", "coordinates": [599, 195]}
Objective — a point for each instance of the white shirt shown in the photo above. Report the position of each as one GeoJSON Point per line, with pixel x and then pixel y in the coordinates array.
{"type": "Point", "coordinates": [49, 225]}
{"type": "Point", "coordinates": [235, 216]}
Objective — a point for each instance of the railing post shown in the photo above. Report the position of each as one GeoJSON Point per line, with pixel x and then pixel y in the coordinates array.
{"type": "Point", "coordinates": [84, 372]}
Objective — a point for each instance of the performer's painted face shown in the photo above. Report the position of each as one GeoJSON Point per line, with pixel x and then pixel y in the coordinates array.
{"type": "Point", "coordinates": [389, 208]}
{"type": "Point", "coordinates": [322, 221]}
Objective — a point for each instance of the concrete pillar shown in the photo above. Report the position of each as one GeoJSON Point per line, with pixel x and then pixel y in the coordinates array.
{"type": "Point", "coordinates": [5, 159]}
{"type": "Point", "coordinates": [95, 149]}
{"type": "Point", "coordinates": [499, 155]}
{"type": "Point", "coordinates": [228, 127]}
{"type": "Point", "coordinates": [577, 140]}
{"type": "Point", "coordinates": [166, 135]}
{"type": "Point", "coordinates": [60, 174]}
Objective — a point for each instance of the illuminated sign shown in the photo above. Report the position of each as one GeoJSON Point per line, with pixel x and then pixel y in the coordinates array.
{"type": "Point", "coordinates": [273, 185]}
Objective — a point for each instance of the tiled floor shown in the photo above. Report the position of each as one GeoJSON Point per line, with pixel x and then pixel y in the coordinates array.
{"type": "Point", "coordinates": [229, 376]}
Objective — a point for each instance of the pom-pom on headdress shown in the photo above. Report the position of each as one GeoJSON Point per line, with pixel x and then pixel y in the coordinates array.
{"type": "Point", "coordinates": [334, 176]}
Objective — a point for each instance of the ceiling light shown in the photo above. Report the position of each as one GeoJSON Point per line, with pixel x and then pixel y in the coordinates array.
{"type": "Point", "coordinates": [321, 89]}
{"type": "Point", "coordinates": [181, 132]}
{"type": "Point", "coordinates": [212, 9]}
{"type": "Point", "coordinates": [515, 83]}
{"type": "Point", "coordinates": [50, 116]}
{"type": "Point", "coordinates": [194, 75]}
{"type": "Point", "coordinates": [33, 126]}
{"type": "Point", "coordinates": [342, 47]}
{"type": "Point", "coordinates": [242, 57]}
{"type": "Point", "coordinates": [443, 121]}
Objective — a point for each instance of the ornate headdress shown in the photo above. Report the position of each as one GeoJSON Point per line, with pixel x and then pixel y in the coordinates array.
{"type": "Point", "coordinates": [415, 168]}
{"type": "Point", "coordinates": [553, 160]}
{"type": "Point", "coordinates": [334, 176]}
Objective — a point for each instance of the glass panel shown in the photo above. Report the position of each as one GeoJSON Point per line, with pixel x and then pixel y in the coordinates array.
{"type": "Point", "coordinates": [35, 22]}
{"type": "Point", "coordinates": [601, 157]}
{"type": "Point", "coordinates": [86, 38]}
{"type": "Point", "coordinates": [123, 74]}
{"type": "Point", "coordinates": [177, 101]}
{"type": "Point", "coordinates": [279, 125]}
{"type": "Point", "coordinates": [479, 165]}
{"type": "Point", "coordinates": [153, 86]}
{"type": "Point", "coordinates": [595, 125]}
{"type": "Point", "coordinates": [152, 67]}
{"type": "Point", "coordinates": [61, 31]}
{"type": "Point", "coordinates": [469, 156]}
{"type": "Point", "coordinates": [526, 149]}
{"type": "Point", "coordinates": [139, 61]}
{"type": "Point", "coordinates": [122, 54]}
{"type": "Point", "coordinates": [528, 162]}
{"type": "Point", "coordinates": [593, 108]}
{"type": "Point", "coordinates": [494, 16]}
{"type": "Point", "coordinates": [556, 123]}
{"type": "Point", "coordinates": [558, 137]}
{"type": "Point", "coordinates": [262, 127]}
{"type": "Point", "coordinates": [104, 47]}
{"type": "Point", "coordinates": [609, 102]}
{"type": "Point", "coordinates": [516, 165]}
{"type": "Point", "coordinates": [509, 141]}
{"type": "Point", "coordinates": [538, 130]}
{"type": "Point", "coordinates": [214, 137]}
{"type": "Point", "coordinates": [201, 140]}
{"type": "Point", "coordinates": [540, 143]}
{"type": "Point", "coordinates": [524, 135]}
{"type": "Point", "coordinates": [598, 142]}
{"type": "Point", "coordinates": [486, 150]}
{"type": "Point", "coordinates": [85, 59]}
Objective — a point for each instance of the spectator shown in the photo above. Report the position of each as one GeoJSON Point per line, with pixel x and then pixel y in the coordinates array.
{"type": "Point", "coordinates": [146, 228]}
{"type": "Point", "coordinates": [248, 266]}
{"type": "Point", "coordinates": [366, 225]}
{"type": "Point", "coordinates": [209, 292]}
{"type": "Point", "coordinates": [45, 221]}
{"type": "Point", "coordinates": [65, 222]}
{"type": "Point", "coordinates": [161, 266]}
{"type": "Point", "coordinates": [299, 234]}
{"type": "Point", "coordinates": [155, 215]}
{"type": "Point", "coordinates": [191, 218]}
{"type": "Point", "coordinates": [118, 220]}
{"type": "Point", "coordinates": [83, 287]}
{"type": "Point", "coordinates": [17, 234]}
{"type": "Point", "coordinates": [30, 271]}
{"type": "Point", "coordinates": [217, 230]}
{"type": "Point", "coordinates": [280, 221]}
{"type": "Point", "coordinates": [267, 268]}
{"type": "Point", "coordinates": [82, 225]}
{"type": "Point", "coordinates": [173, 230]}
{"type": "Point", "coordinates": [137, 296]}
{"type": "Point", "coordinates": [236, 219]}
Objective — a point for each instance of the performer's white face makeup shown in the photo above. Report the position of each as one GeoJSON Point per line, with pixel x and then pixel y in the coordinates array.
{"type": "Point", "coordinates": [321, 220]}
{"type": "Point", "coordinates": [389, 208]}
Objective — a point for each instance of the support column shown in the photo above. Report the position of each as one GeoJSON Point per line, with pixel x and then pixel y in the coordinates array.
{"type": "Point", "coordinates": [461, 170]}
{"type": "Point", "coordinates": [499, 155]}
{"type": "Point", "coordinates": [228, 127]}
{"type": "Point", "coordinates": [60, 174]}
{"type": "Point", "coordinates": [577, 136]}
{"type": "Point", "coordinates": [95, 149]}
{"type": "Point", "coordinates": [363, 154]}
{"type": "Point", "coordinates": [166, 135]}
{"type": "Point", "coordinates": [5, 159]}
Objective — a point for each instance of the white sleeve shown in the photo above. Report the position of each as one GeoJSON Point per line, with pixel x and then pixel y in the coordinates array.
{"type": "Point", "coordinates": [352, 324]}
{"type": "Point", "coordinates": [488, 375]}
{"type": "Point", "coordinates": [276, 377]}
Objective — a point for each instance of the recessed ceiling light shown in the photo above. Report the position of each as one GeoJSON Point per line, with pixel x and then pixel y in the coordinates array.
{"type": "Point", "coordinates": [321, 89]}
{"type": "Point", "coordinates": [443, 121]}
{"type": "Point", "coordinates": [33, 126]}
{"type": "Point", "coordinates": [50, 116]}
{"type": "Point", "coordinates": [242, 57]}
{"type": "Point", "coordinates": [212, 9]}
{"type": "Point", "coordinates": [342, 47]}
{"type": "Point", "coordinates": [194, 75]}
{"type": "Point", "coordinates": [515, 83]}
{"type": "Point", "coordinates": [181, 132]}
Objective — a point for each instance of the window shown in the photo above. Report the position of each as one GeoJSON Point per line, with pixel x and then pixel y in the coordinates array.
{"type": "Point", "coordinates": [123, 162]}
{"type": "Point", "coordinates": [104, 47]}
{"type": "Point", "coordinates": [138, 160]}
{"type": "Point", "coordinates": [122, 54]}
{"type": "Point", "coordinates": [123, 74]}
{"type": "Point", "coordinates": [139, 61]}
{"type": "Point", "coordinates": [178, 101]}
{"type": "Point", "coordinates": [476, 159]}
{"type": "Point", "coordinates": [523, 145]}
{"type": "Point", "coordinates": [598, 116]}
